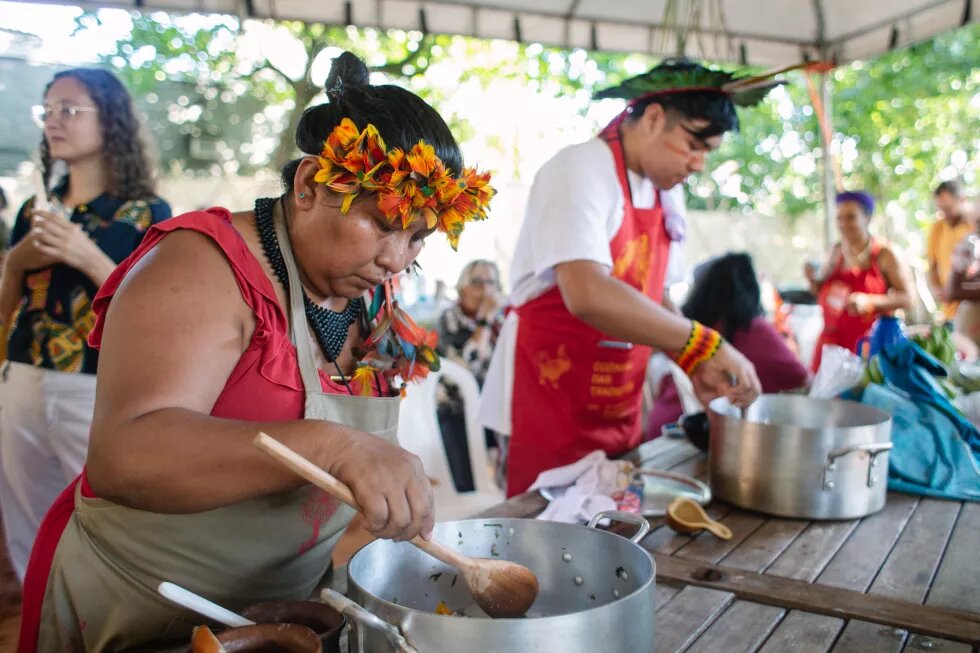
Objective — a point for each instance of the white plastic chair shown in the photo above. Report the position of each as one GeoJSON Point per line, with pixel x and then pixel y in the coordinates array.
{"type": "Point", "coordinates": [418, 432]}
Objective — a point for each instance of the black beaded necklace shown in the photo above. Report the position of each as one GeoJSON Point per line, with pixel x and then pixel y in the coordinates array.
{"type": "Point", "coordinates": [329, 327]}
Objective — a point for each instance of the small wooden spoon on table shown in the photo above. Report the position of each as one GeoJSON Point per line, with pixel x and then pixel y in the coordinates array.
{"type": "Point", "coordinates": [687, 516]}
{"type": "Point", "coordinates": [501, 588]}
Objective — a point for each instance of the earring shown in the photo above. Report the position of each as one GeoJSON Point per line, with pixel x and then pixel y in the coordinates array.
{"type": "Point", "coordinates": [302, 195]}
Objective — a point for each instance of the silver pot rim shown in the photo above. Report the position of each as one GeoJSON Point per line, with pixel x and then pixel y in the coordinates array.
{"type": "Point", "coordinates": [869, 415]}
{"type": "Point", "coordinates": [644, 528]}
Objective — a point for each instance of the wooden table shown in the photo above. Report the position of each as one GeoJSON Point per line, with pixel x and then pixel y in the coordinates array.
{"type": "Point", "coordinates": [904, 579]}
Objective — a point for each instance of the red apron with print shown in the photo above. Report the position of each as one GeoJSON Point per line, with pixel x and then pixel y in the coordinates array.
{"type": "Point", "coordinates": [576, 389]}
{"type": "Point", "coordinates": [840, 327]}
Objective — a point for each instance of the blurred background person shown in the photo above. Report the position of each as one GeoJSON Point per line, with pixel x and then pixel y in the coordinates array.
{"type": "Point", "coordinates": [4, 227]}
{"type": "Point", "coordinates": [862, 278]}
{"type": "Point", "coordinates": [964, 280]}
{"type": "Point", "coordinates": [468, 331]}
{"type": "Point", "coordinates": [949, 229]}
{"type": "Point", "coordinates": [58, 259]}
{"type": "Point", "coordinates": [726, 296]}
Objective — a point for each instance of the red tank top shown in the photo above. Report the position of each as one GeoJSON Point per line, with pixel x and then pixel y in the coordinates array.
{"type": "Point", "coordinates": [264, 386]}
{"type": "Point", "coordinates": [840, 327]}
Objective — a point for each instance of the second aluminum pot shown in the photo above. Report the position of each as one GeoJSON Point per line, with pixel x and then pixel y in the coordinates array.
{"type": "Point", "coordinates": [796, 456]}
{"type": "Point", "coordinates": [596, 590]}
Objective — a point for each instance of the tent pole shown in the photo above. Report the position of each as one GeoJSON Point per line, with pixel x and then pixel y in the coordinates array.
{"type": "Point", "coordinates": [827, 164]}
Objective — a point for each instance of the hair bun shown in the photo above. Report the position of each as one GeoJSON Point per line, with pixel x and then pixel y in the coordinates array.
{"type": "Point", "coordinates": [347, 71]}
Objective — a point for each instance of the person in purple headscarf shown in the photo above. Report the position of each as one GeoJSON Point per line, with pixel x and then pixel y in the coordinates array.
{"type": "Point", "coordinates": [862, 278]}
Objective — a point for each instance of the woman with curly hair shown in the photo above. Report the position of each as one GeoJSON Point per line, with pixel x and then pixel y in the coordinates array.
{"type": "Point", "coordinates": [63, 249]}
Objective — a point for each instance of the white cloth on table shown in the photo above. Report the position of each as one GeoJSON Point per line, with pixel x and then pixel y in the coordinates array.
{"type": "Point", "coordinates": [574, 210]}
{"type": "Point", "coordinates": [581, 489]}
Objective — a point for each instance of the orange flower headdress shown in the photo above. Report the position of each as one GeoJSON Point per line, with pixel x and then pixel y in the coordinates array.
{"type": "Point", "coordinates": [411, 186]}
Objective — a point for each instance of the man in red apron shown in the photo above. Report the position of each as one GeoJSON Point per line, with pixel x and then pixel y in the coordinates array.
{"type": "Point", "coordinates": [589, 267]}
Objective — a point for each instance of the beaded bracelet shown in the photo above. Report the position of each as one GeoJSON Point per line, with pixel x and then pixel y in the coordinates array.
{"type": "Point", "coordinates": [702, 344]}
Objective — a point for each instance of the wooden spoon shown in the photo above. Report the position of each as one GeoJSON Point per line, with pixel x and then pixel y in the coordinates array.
{"type": "Point", "coordinates": [501, 588]}
{"type": "Point", "coordinates": [687, 516]}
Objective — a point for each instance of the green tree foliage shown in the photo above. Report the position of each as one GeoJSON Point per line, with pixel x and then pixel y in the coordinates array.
{"type": "Point", "coordinates": [901, 122]}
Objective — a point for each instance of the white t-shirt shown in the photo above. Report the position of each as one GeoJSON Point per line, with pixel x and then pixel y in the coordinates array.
{"type": "Point", "coordinates": [574, 210]}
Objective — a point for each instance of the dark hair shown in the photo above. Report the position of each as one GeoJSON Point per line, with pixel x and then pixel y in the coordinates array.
{"type": "Point", "coordinates": [953, 187]}
{"type": "Point", "coordinates": [129, 174]}
{"type": "Point", "coordinates": [725, 294]}
{"type": "Point", "coordinates": [715, 107]}
{"type": "Point", "coordinates": [401, 117]}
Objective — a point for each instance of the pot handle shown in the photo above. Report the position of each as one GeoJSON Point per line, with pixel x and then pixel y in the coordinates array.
{"type": "Point", "coordinates": [643, 526]}
{"type": "Point", "coordinates": [365, 619]}
{"type": "Point", "coordinates": [872, 449]}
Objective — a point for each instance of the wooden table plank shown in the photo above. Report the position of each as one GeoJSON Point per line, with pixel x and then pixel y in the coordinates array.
{"type": "Point", "coordinates": [697, 467]}
{"type": "Point", "coordinates": [686, 616]}
{"type": "Point", "coordinates": [810, 553]}
{"type": "Point", "coordinates": [804, 558]}
{"type": "Point", "coordinates": [947, 623]}
{"type": "Point", "coordinates": [906, 574]}
{"type": "Point", "coordinates": [803, 632]}
{"type": "Point", "coordinates": [743, 627]}
{"type": "Point", "coordinates": [698, 603]}
{"type": "Point", "coordinates": [957, 581]}
{"type": "Point", "coordinates": [920, 643]}
{"type": "Point", "coordinates": [824, 543]}
{"type": "Point", "coordinates": [859, 559]}
{"type": "Point", "coordinates": [765, 545]}
{"type": "Point", "coordinates": [957, 584]}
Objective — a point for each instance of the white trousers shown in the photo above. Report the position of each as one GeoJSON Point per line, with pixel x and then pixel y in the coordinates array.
{"type": "Point", "coordinates": [45, 417]}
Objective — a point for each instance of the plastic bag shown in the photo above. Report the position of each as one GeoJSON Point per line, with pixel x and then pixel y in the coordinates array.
{"type": "Point", "coordinates": [840, 370]}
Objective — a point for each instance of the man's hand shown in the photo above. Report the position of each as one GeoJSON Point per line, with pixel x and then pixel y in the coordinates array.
{"type": "Point", "coordinates": [726, 374]}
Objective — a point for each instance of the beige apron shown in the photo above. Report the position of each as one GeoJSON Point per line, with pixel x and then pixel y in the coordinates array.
{"type": "Point", "coordinates": [101, 594]}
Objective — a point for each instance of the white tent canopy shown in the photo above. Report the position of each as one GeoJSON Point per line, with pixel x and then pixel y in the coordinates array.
{"type": "Point", "coordinates": [760, 32]}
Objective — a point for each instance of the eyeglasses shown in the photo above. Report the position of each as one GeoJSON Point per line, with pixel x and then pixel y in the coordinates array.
{"type": "Point", "coordinates": [476, 281]}
{"type": "Point", "coordinates": [63, 112]}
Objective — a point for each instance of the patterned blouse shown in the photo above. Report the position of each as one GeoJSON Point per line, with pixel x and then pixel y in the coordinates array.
{"type": "Point", "coordinates": [456, 330]}
{"type": "Point", "coordinates": [52, 323]}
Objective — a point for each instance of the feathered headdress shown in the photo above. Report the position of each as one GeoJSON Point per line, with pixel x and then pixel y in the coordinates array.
{"type": "Point", "coordinates": [411, 186]}
{"type": "Point", "coordinates": [395, 347]}
{"type": "Point", "coordinates": [682, 76]}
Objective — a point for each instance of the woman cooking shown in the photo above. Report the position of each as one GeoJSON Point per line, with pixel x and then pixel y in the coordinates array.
{"type": "Point", "coordinates": [222, 325]}
{"type": "Point", "coordinates": [861, 280]}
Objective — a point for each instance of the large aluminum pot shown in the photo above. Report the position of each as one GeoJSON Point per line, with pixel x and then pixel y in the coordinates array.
{"type": "Point", "coordinates": [596, 590]}
{"type": "Point", "coordinates": [795, 456]}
